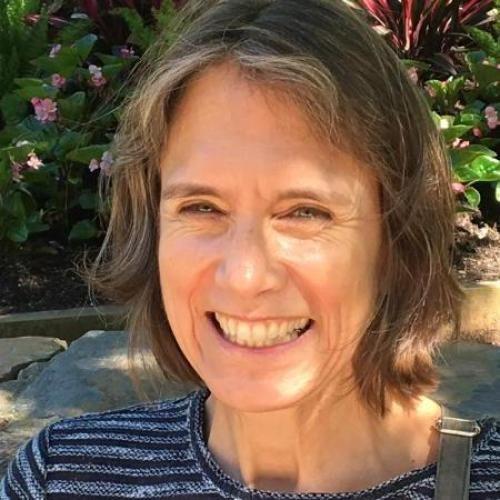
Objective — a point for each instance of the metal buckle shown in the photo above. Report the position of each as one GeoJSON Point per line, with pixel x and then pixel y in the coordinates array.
{"type": "Point", "coordinates": [439, 422]}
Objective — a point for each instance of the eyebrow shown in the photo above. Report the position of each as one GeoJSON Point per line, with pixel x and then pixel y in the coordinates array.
{"type": "Point", "coordinates": [187, 189]}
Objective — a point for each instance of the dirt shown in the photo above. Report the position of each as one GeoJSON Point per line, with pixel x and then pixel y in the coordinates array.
{"type": "Point", "coordinates": [44, 276]}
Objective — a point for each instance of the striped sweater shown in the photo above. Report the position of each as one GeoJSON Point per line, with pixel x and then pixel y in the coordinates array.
{"type": "Point", "coordinates": [157, 450]}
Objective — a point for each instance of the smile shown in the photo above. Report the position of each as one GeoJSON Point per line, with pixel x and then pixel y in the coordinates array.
{"type": "Point", "coordinates": [259, 333]}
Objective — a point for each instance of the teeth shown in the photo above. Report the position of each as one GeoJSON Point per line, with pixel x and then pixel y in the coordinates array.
{"type": "Point", "coordinates": [258, 334]}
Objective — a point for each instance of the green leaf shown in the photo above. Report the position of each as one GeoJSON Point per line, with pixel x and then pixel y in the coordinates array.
{"type": "Point", "coordinates": [17, 231]}
{"type": "Point", "coordinates": [68, 141]}
{"type": "Point", "coordinates": [83, 230]}
{"type": "Point", "coordinates": [5, 175]}
{"type": "Point", "coordinates": [463, 156]}
{"type": "Point", "coordinates": [14, 108]}
{"type": "Point", "coordinates": [41, 91]}
{"type": "Point", "coordinates": [497, 192]}
{"type": "Point", "coordinates": [64, 63]}
{"type": "Point", "coordinates": [84, 155]}
{"type": "Point", "coordinates": [486, 164]}
{"type": "Point", "coordinates": [485, 74]}
{"type": "Point", "coordinates": [472, 119]}
{"type": "Point", "coordinates": [107, 58]}
{"type": "Point", "coordinates": [72, 107]}
{"type": "Point", "coordinates": [112, 70]}
{"type": "Point", "coordinates": [482, 168]}
{"type": "Point", "coordinates": [28, 82]}
{"type": "Point", "coordinates": [485, 41]}
{"type": "Point", "coordinates": [34, 223]}
{"type": "Point", "coordinates": [455, 131]}
{"type": "Point", "coordinates": [473, 197]}
{"type": "Point", "coordinates": [13, 204]}
{"type": "Point", "coordinates": [88, 200]}
{"type": "Point", "coordinates": [84, 45]}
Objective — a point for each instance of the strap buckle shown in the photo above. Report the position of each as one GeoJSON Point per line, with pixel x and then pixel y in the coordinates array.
{"type": "Point", "coordinates": [470, 428]}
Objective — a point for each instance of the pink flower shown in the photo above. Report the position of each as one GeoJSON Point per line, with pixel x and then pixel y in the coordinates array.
{"type": "Point", "coordinates": [16, 169]}
{"type": "Point", "coordinates": [127, 53]}
{"type": "Point", "coordinates": [459, 143]}
{"type": "Point", "coordinates": [93, 165]}
{"type": "Point", "coordinates": [58, 80]}
{"type": "Point", "coordinates": [45, 109]}
{"type": "Point", "coordinates": [430, 90]}
{"type": "Point", "coordinates": [477, 132]}
{"type": "Point", "coordinates": [105, 163]}
{"type": "Point", "coordinates": [457, 187]}
{"type": "Point", "coordinates": [96, 76]}
{"type": "Point", "coordinates": [33, 161]}
{"type": "Point", "coordinates": [55, 50]}
{"type": "Point", "coordinates": [413, 74]}
{"type": "Point", "coordinates": [491, 115]}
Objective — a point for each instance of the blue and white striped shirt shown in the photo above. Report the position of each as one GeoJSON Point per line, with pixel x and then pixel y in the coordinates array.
{"type": "Point", "coordinates": [157, 450]}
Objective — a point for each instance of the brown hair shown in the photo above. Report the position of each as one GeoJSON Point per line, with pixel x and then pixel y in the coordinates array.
{"type": "Point", "coordinates": [358, 96]}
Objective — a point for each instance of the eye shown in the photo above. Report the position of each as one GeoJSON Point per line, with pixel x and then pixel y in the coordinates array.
{"type": "Point", "coordinates": [194, 208]}
{"type": "Point", "coordinates": [312, 213]}
{"type": "Point", "coordinates": [208, 209]}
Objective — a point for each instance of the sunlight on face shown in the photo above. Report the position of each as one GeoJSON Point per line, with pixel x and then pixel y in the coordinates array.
{"type": "Point", "coordinates": [260, 220]}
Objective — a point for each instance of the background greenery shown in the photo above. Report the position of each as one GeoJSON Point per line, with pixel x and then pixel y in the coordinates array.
{"type": "Point", "coordinates": [64, 69]}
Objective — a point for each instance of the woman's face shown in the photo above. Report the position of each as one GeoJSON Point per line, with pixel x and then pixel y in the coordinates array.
{"type": "Point", "coordinates": [275, 226]}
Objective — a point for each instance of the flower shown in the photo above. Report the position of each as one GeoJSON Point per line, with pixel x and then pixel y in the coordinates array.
{"type": "Point", "coordinates": [96, 76]}
{"type": "Point", "coordinates": [105, 163]}
{"type": "Point", "coordinates": [457, 187]}
{"type": "Point", "coordinates": [459, 143]}
{"type": "Point", "coordinates": [45, 109]}
{"type": "Point", "coordinates": [430, 90]}
{"type": "Point", "coordinates": [58, 80]}
{"type": "Point", "coordinates": [127, 53]}
{"type": "Point", "coordinates": [491, 115]}
{"type": "Point", "coordinates": [477, 132]}
{"type": "Point", "coordinates": [93, 165]}
{"type": "Point", "coordinates": [444, 124]}
{"type": "Point", "coordinates": [413, 74]}
{"type": "Point", "coordinates": [55, 50]}
{"type": "Point", "coordinates": [33, 161]}
{"type": "Point", "coordinates": [16, 169]}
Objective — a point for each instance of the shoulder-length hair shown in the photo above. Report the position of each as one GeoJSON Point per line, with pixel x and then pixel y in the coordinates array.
{"type": "Point", "coordinates": [357, 95]}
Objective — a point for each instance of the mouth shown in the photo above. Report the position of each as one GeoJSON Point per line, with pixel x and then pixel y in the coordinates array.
{"type": "Point", "coordinates": [252, 343]}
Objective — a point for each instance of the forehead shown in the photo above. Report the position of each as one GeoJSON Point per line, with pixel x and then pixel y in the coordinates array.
{"type": "Point", "coordinates": [225, 124]}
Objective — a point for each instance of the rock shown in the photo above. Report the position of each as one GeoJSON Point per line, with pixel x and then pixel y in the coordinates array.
{"type": "Point", "coordinates": [92, 375]}
{"type": "Point", "coordinates": [17, 353]}
{"type": "Point", "coordinates": [470, 379]}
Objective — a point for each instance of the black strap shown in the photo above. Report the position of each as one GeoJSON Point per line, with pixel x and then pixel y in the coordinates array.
{"type": "Point", "coordinates": [455, 445]}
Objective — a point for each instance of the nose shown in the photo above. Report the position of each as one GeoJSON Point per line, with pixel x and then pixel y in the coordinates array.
{"type": "Point", "coordinates": [247, 265]}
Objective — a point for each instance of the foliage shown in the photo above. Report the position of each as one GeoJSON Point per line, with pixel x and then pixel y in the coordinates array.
{"type": "Point", "coordinates": [466, 107]}
{"type": "Point", "coordinates": [19, 42]}
{"type": "Point", "coordinates": [59, 119]}
{"type": "Point", "coordinates": [427, 30]}
{"type": "Point", "coordinates": [60, 110]}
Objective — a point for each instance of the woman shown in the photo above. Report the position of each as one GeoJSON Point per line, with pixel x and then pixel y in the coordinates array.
{"type": "Point", "coordinates": [282, 232]}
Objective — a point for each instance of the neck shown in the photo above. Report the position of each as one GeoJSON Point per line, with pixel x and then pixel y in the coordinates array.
{"type": "Point", "coordinates": [331, 444]}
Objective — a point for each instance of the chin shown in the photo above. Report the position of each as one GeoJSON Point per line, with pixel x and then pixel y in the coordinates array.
{"type": "Point", "coordinates": [253, 396]}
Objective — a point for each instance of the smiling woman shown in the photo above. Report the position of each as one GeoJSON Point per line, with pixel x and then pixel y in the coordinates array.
{"type": "Point", "coordinates": [281, 231]}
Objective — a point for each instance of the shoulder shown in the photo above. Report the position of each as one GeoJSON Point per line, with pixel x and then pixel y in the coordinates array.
{"type": "Point", "coordinates": [107, 439]}
{"type": "Point", "coordinates": [485, 460]}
